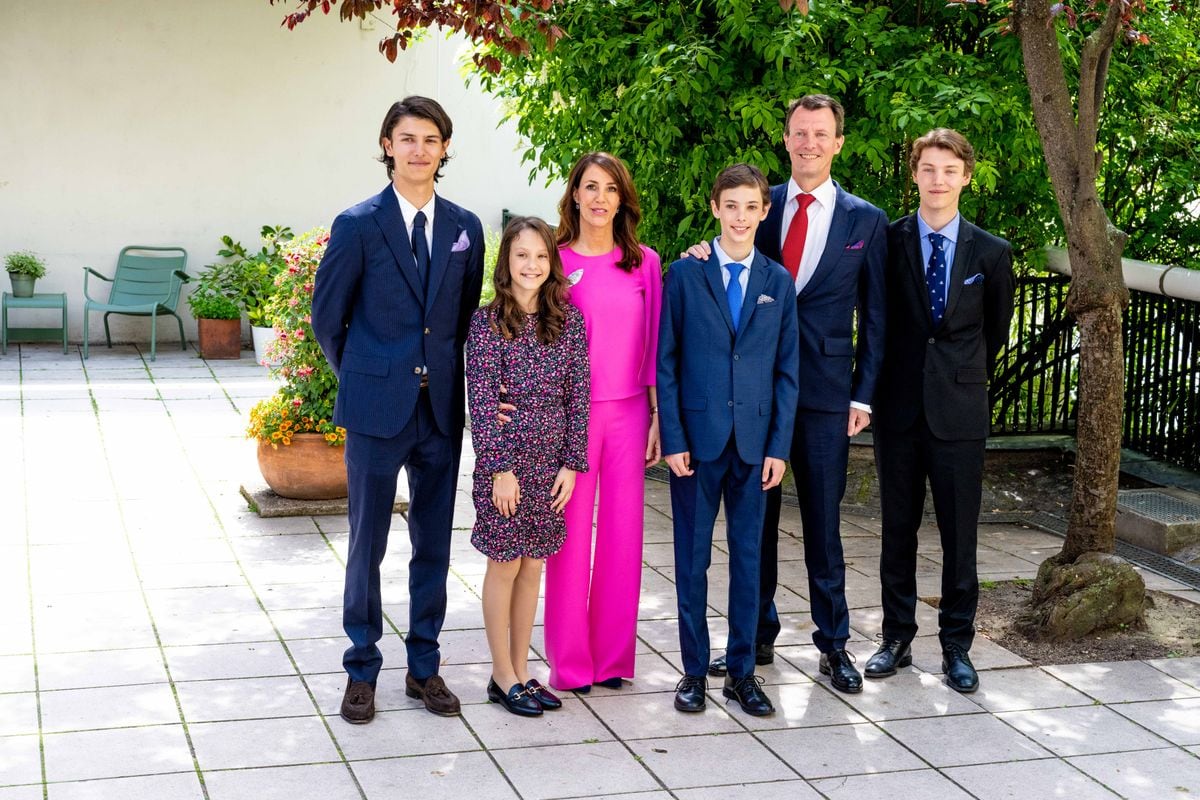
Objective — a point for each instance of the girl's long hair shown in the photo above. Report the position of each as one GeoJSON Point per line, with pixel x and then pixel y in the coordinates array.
{"type": "Point", "coordinates": [625, 223]}
{"type": "Point", "coordinates": [507, 318]}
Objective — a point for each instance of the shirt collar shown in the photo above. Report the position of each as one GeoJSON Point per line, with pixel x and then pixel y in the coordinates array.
{"type": "Point", "coordinates": [949, 230]}
{"type": "Point", "coordinates": [723, 257]}
{"type": "Point", "coordinates": [409, 211]}
{"type": "Point", "coordinates": [825, 194]}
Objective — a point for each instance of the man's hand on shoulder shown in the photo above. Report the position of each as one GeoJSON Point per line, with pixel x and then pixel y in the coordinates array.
{"type": "Point", "coordinates": [700, 250]}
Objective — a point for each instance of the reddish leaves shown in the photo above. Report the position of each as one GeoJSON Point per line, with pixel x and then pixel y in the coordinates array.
{"type": "Point", "coordinates": [483, 21]}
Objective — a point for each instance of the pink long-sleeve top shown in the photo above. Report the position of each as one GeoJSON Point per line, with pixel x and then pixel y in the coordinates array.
{"type": "Point", "coordinates": [621, 311]}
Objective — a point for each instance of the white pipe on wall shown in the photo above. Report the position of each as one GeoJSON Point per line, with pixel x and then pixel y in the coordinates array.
{"type": "Point", "coordinates": [1169, 281]}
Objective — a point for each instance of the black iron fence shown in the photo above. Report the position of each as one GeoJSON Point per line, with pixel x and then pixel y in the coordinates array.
{"type": "Point", "coordinates": [1036, 381]}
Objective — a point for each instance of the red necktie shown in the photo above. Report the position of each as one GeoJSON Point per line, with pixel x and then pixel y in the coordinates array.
{"type": "Point", "coordinates": [793, 245]}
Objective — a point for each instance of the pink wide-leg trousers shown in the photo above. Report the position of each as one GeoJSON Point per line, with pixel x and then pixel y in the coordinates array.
{"type": "Point", "coordinates": [592, 601]}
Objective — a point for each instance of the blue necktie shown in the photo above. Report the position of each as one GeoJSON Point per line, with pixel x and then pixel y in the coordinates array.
{"type": "Point", "coordinates": [935, 278]}
{"type": "Point", "coordinates": [420, 249]}
{"type": "Point", "coordinates": [733, 292]}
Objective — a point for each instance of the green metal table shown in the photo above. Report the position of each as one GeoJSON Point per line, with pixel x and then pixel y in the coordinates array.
{"type": "Point", "coordinates": [38, 300]}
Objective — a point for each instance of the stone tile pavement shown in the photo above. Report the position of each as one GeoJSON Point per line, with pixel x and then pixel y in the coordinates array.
{"type": "Point", "coordinates": [159, 640]}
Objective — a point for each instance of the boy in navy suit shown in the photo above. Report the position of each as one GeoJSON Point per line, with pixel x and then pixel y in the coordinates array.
{"type": "Point", "coordinates": [727, 387]}
{"type": "Point", "coordinates": [391, 307]}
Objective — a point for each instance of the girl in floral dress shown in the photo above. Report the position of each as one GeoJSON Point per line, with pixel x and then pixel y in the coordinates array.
{"type": "Point", "coordinates": [531, 340]}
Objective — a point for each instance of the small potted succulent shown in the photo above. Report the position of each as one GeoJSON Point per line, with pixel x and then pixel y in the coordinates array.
{"type": "Point", "coordinates": [218, 315]}
{"type": "Point", "coordinates": [24, 268]}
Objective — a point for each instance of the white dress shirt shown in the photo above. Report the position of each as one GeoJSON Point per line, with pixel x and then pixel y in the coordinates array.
{"type": "Point", "coordinates": [723, 258]}
{"type": "Point", "coordinates": [409, 212]}
{"type": "Point", "coordinates": [820, 218]}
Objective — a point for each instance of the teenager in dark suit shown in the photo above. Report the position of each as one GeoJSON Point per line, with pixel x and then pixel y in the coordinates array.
{"type": "Point", "coordinates": [727, 373]}
{"type": "Point", "coordinates": [834, 245]}
{"type": "Point", "coordinates": [950, 300]}
{"type": "Point", "coordinates": [391, 308]}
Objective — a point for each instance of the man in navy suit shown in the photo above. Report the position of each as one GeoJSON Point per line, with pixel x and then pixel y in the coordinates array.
{"type": "Point", "coordinates": [834, 245]}
{"type": "Point", "coordinates": [727, 383]}
{"type": "Point", "coordinates": [393, 298]}
{"type": "Point", "coordinates": [950, 300]}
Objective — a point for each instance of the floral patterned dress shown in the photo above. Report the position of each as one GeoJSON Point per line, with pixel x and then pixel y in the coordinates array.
{"type": "Point", "coordinates": [549, 386]}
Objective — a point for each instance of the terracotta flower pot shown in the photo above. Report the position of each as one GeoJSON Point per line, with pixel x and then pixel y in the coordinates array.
{"type": "Point", "coordinates": [219, 338]}
{"type": "Point", "coordinates": [306, 469]}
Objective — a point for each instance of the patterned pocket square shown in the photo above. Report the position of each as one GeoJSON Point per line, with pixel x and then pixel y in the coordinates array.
{"type": "Point", "coordinates": [857, 245]}
{"type": "Point", "coordinates": [462, 243]}
{"type": "Point", "coordinates": [974, 279]}
{"type": "Point", "coordinates": [765, 298]}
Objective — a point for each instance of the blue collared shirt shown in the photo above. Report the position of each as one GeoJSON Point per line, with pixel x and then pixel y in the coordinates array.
{"type": "Point", "coordinates": [724, 259]}
{"type": "Point", "coordinates": [950, 231]}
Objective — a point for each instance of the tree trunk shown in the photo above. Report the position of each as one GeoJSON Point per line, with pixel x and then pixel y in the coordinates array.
{"type": "Point", "coordinates": [1096, 300]}
{"type": "Point", "coordinates": [1084, 588]}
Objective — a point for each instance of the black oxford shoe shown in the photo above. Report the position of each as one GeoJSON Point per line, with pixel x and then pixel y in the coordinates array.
{"type": "Point", "coordinates": [689, 693]}
{"type": "Point", "coordinates": [839, 666]}
{"type": "Point", "coordinates": [960, 672]}
{"type": "Point", "coordinates": [749, 694]}
{"type": "Point", "coordinates": [517, 700]}
{"type": "Point", "coordinates": [891, 655]}
{"type": "Point", "coordinates": [764, 654]}
{"type": "Point", "coordinates": [547, 699]}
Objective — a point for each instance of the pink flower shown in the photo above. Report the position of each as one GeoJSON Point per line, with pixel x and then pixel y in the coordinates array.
{"type": "Point", "coordinates": [297, 402]}
{"type": "Point", "coordinates": [299, 334]}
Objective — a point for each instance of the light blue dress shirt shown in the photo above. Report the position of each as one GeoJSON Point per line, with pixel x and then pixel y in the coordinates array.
{"type": "Point", "coordinates": [950, 231]}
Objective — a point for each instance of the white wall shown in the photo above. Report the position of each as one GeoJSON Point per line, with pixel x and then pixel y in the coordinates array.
{"type": "Point", "coordinates": [172, 123]}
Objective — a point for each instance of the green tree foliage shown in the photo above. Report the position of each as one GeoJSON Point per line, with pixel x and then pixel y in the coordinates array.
{"type": "Point", "coordinates": [680, 89]}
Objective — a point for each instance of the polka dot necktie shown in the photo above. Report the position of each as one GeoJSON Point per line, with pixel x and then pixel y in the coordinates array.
{"type": "Point", "coordinates": [935, 278]}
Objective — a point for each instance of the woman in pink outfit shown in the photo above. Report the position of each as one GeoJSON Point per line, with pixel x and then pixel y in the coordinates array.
{"type": "Point", "coordinates": [592, 598]}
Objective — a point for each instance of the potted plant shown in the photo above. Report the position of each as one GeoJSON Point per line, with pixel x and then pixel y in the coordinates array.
{"type": "Point", "coordinates": [24, 268]}
{"type": "Point", "coordinates": [218, 316]}
{"type": "Point", "coordinates": [254, 274]}
{"type": "Point", "coordinates": [299, 448]}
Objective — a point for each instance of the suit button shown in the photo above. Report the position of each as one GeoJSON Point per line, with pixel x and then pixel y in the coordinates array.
{"type": "Point", "coordinates": [416, 370]}
{"type": "Point", "coordinates": [731, 404]}
{"type": "Point", "coordinates": [736, 357]}
{"type": "Point", "coordinates": [427, 331]}
{"type": "Point", "coordinates": [932, 340]}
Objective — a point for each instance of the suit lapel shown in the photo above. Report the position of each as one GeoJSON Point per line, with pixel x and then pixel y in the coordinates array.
{"type": "Point", "coordinates": [758, 279]}
{"type": "Point", "coordinates": [391, 223]}
{"type": "Point", "coordinates": [712, 271]}
{"type": "Point", "coordinates": [916, 266]}
{"type": "Point", "coordinates": [445, 230]}
{"type": "Point", "coordinates": [964, 256]}
{"type": "Point", "coordinates": [839, 236]}
{"type": "Point", "coordinates": [768, 238]}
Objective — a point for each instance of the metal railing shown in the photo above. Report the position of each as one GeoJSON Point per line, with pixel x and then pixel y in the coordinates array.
{"type": "Point", "coordinates": [1036, 381]}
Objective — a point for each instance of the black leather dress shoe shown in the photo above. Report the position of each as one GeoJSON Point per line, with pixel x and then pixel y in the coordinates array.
{"type": "Point", "coordinates": [547, 699]}
{"type": "Point", "coordinates": [891, 655]}
{"type": "Point", "coordinates": [960, 672]}
{"type": "Point", "coordinates": [764, 654]}
{"type": "Point", "coordinates": [839, 666]}
{"type": "Point", "coordinates": [610, 683]}
{"type": "Point", "coordinates": [689, 693]}
{"type": "Point", "coordinates": [517, 700]}
{"type": "Point", "coordinates": [749, 694]}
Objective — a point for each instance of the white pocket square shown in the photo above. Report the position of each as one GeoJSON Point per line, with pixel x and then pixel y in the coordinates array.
{"type": "Point", "coordinates": [974, 279]}
{"type": "Point", "coordinates": [765, 298]}
{"type": "Point", "coordinates": [462, 243]}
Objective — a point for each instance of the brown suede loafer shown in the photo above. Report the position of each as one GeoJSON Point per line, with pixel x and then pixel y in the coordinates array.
{"type": "Point", "coordinates": [433, 692]}
{"type": "Point", "coordinates": [358, 704]}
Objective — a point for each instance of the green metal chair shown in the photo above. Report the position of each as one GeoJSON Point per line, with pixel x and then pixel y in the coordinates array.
{"type": "Point", "coordinates": [146, 284]}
